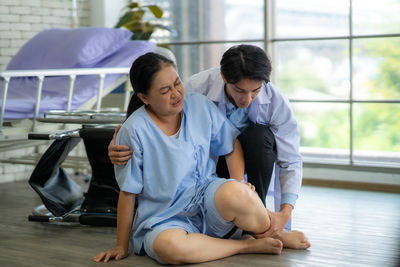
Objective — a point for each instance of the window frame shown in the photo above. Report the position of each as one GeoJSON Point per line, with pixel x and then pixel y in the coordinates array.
{"type": "Point", "coordinates": [269, 42]}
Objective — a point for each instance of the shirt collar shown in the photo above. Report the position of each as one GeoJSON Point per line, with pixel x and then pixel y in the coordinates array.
{"type": "Point", "coordinates": [226, 102]}
{"type": "Point", "coordinates": [224, 98]}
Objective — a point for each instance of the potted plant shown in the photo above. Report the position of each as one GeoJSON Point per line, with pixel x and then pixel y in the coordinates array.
{"type": "Point", "coordinates": [133, 21]}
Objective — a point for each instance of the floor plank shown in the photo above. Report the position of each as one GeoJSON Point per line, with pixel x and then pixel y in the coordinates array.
{"type": "Point", "coordinates": [345, 227]}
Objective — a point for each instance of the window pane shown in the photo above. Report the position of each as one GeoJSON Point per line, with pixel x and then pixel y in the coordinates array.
{"type": "Point", "coordinates": [207, 20]}
{"type": "Point", "coordinates": [326, 128]}
{"type": "Point", "coordinates": [377, 68]}
{"type": "Point", "coordinates": [376, 127]}
{"type": "Point", "coordinates": [376, 17]}
{"type": "Point", "coordinates": [310, 18]}
{"type": "Point", "coordinates": [192, 59]}
{"type": "Point", "coordinates": [243, 19]}
{"type": "Point", "coordinates": [313, 69]}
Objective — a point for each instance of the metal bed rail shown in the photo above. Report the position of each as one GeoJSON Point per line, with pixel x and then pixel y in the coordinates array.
{"type": "Point", "coordinates": [71, 73]}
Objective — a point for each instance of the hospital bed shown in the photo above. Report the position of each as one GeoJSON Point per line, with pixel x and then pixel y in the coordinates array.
{"type": "Point", "coordinates": [61, 76]}
{"type": "Point", "coordinates": [67, 69]}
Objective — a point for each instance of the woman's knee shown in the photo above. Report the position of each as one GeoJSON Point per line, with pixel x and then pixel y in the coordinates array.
{"type": "Point", "coordinates": [169, 246]}
{"type": "Point", "coordinates": [237, 203]}
{"type": "Point", "coordinates": [234, 195]}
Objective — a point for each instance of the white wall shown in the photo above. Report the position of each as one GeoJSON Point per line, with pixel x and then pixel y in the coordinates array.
{"type": "Point", "coordinates": [20, 20]}
{"type": "Point", "coordinates": [105, 12]}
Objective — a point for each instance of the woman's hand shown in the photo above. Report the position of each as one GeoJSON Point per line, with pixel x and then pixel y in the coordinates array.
{"type": "Point", "coordinates": [117, 254]}
{"type": "Point", "coordinates": [119, 155]}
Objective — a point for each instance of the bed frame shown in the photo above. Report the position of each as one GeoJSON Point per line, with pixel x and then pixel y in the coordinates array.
{"type": "Point", "coordinates": [71, 73]}
{"type": "Point", "coordinates": [14, 132]}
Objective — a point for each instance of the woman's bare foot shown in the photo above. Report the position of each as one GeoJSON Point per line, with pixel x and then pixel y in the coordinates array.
{"type": "Point", "coordinates": [295, 240]}
{"type": "Point", "coordinates": [247, 236]}
{"type": "Point", "coordinates": [265, 245]}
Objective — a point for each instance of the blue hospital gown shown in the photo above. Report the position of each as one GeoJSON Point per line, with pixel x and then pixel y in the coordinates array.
{"type": "Point", "coordinates": [166, 173]}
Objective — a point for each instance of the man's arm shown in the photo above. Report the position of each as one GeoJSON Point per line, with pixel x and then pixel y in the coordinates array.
{"type": "Point", "coordinates": [281, 120]}
{"type": "Point", "coordinates": [235, 162]}
{"type": "Point", "coordinates": [118, 154]}
{"type": "Point", "coordinates": [279, 220]}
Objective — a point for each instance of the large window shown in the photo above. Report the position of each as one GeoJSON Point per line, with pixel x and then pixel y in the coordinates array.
{"type": "Point", "coordinates": [338, 62]}
{"type": "Point", "coordinates": [206, 28]}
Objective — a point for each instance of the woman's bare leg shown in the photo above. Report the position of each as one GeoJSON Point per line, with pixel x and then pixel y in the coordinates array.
{"type": "Point", "coordinates": [237, 203]}
{"type": "Point", "coordinates": [242, 206]}
{"type": "Point", "coordinates": [176, 246]}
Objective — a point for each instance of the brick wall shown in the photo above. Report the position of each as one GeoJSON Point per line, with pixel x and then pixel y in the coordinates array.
{"type": "Point", "coordinates": [20, 20]}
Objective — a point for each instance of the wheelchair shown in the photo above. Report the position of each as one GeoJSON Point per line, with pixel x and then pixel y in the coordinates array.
{"type": "Point", "coordinates": [63, 198]}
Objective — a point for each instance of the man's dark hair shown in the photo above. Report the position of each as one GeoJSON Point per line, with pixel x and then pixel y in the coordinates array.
{"type": "Point", "coordinates": [245, 61]}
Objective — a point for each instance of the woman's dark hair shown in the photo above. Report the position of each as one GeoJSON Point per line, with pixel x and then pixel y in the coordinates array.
{"type": "Point", "coordinates": [245, 61]}
{"type": "Point", "coordinates": [141, 74]}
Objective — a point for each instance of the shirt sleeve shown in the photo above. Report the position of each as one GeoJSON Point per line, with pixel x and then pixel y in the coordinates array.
{"type": "Point", "coordinates": [289, 198]}
{"type": "Point", "coordinates": [188, 85]}
{"type": "Point", "coordinates": [223, 132]}
{"type": "Point", "coordinates": [194, 84]}
{"type": "Point", "coordinates": [130, 176]}
{"type": "Point", "coordinates": [279, 117]}
{"type": "Point", "coordinates": [287, 137]}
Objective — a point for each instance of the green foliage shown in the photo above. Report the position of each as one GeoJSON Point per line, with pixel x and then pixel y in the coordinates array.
{"type": "Point", "coordinates": [376, 127]}
{"type": "Point", "coordinates": [387, 51]}
{"type": "Point", "coordinates": [133, 21]}
{"type": "Point", "coordinates": [300, 75]}
{"type": "Point", "coordinates": [332, 129]}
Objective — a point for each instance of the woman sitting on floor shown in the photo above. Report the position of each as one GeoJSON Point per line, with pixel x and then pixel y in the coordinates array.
{"type": "Point", "coordinates": [184, 208]}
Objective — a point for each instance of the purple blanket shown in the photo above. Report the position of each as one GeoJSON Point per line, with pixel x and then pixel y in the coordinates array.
{"type": "Point", "coordinates": [92, 47]}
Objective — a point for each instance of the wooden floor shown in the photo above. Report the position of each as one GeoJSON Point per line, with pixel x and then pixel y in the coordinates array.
{"type": "Point", "coordinates": [345, 227]}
